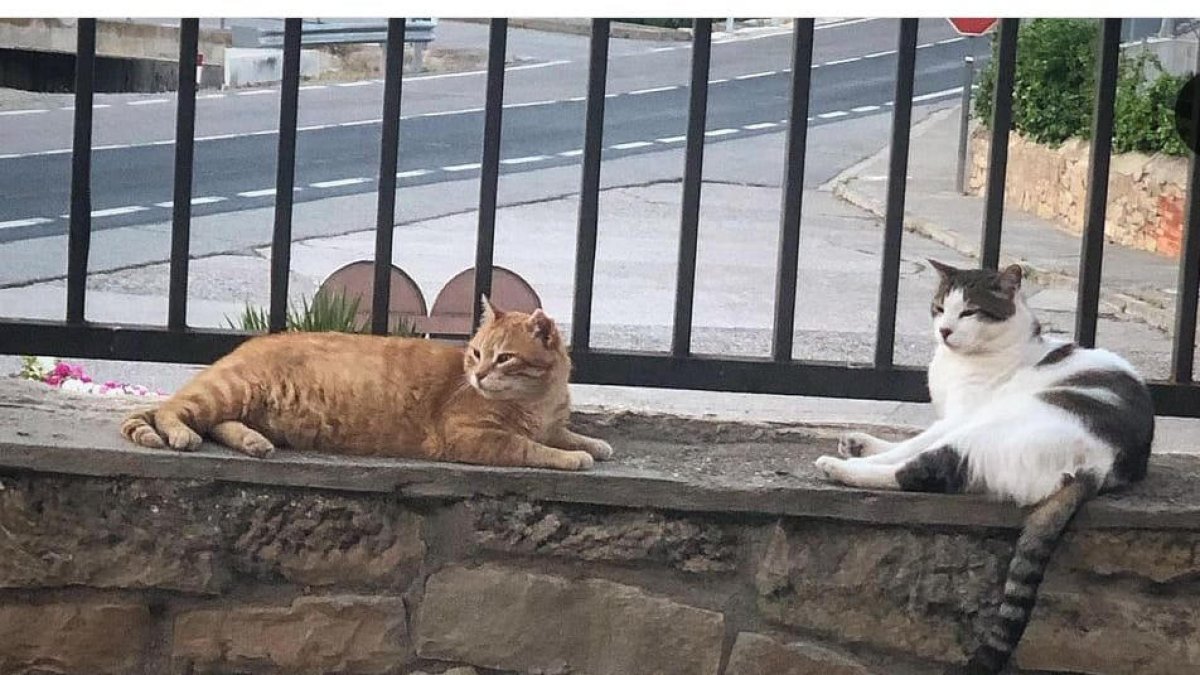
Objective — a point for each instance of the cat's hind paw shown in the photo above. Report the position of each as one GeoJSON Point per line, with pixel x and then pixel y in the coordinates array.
{"type": "Point", "coordinates": [858, 444]}
{"type": "Point", "coordinates": [600, 450]}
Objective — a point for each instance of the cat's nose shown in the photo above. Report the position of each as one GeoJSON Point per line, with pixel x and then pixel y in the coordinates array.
{"type": "Point", "coordinates": [945, 332]}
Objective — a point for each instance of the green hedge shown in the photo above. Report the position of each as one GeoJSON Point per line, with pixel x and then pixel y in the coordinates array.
{"type": "Point", "coordinates": [1055, 85]}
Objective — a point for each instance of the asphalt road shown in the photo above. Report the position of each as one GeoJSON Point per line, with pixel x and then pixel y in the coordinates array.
{"type": "Point", "coordinates": [441, 133]}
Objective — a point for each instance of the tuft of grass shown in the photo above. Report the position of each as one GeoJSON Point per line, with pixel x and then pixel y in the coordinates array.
{"type": "Point", "coordinates": [326, 312]}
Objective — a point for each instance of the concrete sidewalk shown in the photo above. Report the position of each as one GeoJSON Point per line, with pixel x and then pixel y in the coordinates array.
{"type": "Point", "coordinates": [1136, 284]}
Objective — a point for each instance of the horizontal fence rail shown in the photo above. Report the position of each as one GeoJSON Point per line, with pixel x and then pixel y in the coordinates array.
{"type": "Point", "coordinates": [678, 368]}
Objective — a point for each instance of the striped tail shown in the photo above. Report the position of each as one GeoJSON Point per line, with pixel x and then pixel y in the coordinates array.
{"type": "Point", "coordinates": [139, 428]}
{"type": "Point", "coordinates": [1043, 529]}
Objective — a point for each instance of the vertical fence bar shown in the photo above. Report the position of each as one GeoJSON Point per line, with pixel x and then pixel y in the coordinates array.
{"type": "Point", "coordinates": [793, 192]}
{"type": "Point", "coordinates": [285, 176]}
{"type": "Point", "coordinates": [185, 145]}
{"type": "Point", "coordinates": [485, 238]}
{"type": "Point", "coordinates": [993, 205]}
{"type": "Point", "coordinates": [589, 189]}
{"type": "Point", "coordinates": [1183, 350]}
{"type": "Point", "coordinates": [693, 172]}
{"type": "Point", "coordinates": [964, 122]}
{"type": "Point", "coordinates": [1091, 253]}
{"type": "Point", "coordinates": [389, 150]}
{"type": "Point", "coordinates": [79, 236]}
{"type": "Point", "coordinates": [893, 228]}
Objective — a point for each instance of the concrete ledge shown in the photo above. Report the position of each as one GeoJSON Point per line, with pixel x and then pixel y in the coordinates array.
{"type": "Point", "coordinates": [752, 468]}
{"type": "Point", "coordinates": [706, 548]}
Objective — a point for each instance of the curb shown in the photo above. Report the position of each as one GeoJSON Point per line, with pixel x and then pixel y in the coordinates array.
{"type": "Point", "coordinates": [1148, 308]}
{"type": "Point", "coordinates": [628, 31]}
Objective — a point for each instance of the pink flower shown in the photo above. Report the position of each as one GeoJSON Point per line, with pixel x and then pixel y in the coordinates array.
{"type": "Point", "coordinates": [62, 369]}
{"type": "Point", "coordinates": [53, 379]}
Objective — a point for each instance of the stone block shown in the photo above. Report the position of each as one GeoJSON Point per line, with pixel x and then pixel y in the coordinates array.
{"type": "Point", "coordinates": [495, 617]}
{"type": "Point", "coordinates": [320, 539]}
{"type": "Point", "coordinates": [755, 654]}
{"type": "Point", "coordinates": [603, 534]}
{"type": "Point", "coordinates": [315, 634]}
{"type": "Point", "coordinates": [107, 534]}
{"type": "Point", "coordinates": [69, 638]}
{"type": "Point", "coordinates": [1099, 630]}
{"type": "Point", "coordinates": [919, 592]}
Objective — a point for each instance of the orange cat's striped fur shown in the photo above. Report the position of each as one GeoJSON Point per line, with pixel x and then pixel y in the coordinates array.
{"type": "Point", "coordinates": [501, 401]}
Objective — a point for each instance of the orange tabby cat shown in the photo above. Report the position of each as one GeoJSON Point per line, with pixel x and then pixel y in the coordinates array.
{"type": "Point", "coordinates": [502, 401]}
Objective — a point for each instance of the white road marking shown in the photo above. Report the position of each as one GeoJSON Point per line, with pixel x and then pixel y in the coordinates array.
{"type": "Point", "coordinates": [611, 95]}
{"type": "Point", "coordinates": [663, 49]}
{"type": "Point", "coordinates": [412, 173]}
{"type": "Point", "coordinates": [927, 45]}
{"type": "Point", "coordinates": [937, 94]}
{"type": "Point", "coordinates": [760, 125]}
{"type": "Point", "coordinates": [444, 113]}
{"type": "Point", "coordinates": [720, 132]}
{"type": "Point", "coordinates": [875, 55]}
{"type": "Point", "coordinates": [95, 106]}
{"type": "Point", "coordinates": [751, 76]}
{"type": "Point", "coordinates": [360, 83]}
{"type": "Point", "coordinates": [196, 201]}
{"type": "Point", "coordinates": [8, 113]}
{"type": "Point", "coordinates": [719, 80]}
{"type": "Point", "coordinates": [671, 139]}
{"type": "Point", "coordinates": [315, 127]}
{"type": "Point", "coordinates": [117, 211]}
{"type": "Point", "coordinates": [209, 97]}
{"type": "Point", "coordinates": [256, 92]}
{"type": "Point", "coordinates": [24, 222]}
{"type": "Point", "coordinates": [265, 192]}
{"type": "Point", "coordinates": [571, 153]}
{"type": "Point", "coordinates": [832, 115]}
{"type": "Point", "coordinates": [630, 146]}
{"type": "Point", "coordinates": [462, 167]}
{"type": "Point", "coordinates": [651, 90]}
{"type": "Point", "coordinates": [115, 146]}
{"type": "Point", "coordinates": [576, 99]}
{"type": "Point", "coordinates": [864, 108]}
{"type": "Point", "coordinates": [149, 101]}
{"type": "Point", "coordinates": [524, 160]}
{"type": "Point", "coordinates": [529, 104]}
{"type": "Point", "coordinates": [952, 40]}
{"type": "Point", "coordinates": [841, 61]}
{"type": "Point", "coordinates": [359, 123]}
{"type": "Point", "coordinates": [341, 182]}
{"type": "Point", "coordinates": [446, 76]}
{"type": "Point", "coordinates": [840, 24]}
{"type": "Point", "coordinates": [313, 87]}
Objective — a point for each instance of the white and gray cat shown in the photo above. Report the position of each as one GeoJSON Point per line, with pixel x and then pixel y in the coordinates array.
{"type": "Point", "coordinates": [1021, 418]}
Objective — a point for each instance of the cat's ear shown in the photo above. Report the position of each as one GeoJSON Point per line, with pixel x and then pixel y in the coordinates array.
{"type": "Point", "coordinates": [490, 313]}
{"type": "Point", "coordinates": [943, 270]}
{"type": "Point", "coordinates": [543, 327]}
{"type": "Point", "coordinates": [1010, 279]}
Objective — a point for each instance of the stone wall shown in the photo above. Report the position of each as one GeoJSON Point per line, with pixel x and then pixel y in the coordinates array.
{"type": "Point", "coordinates": [1145, 193]}
{"type": "Point", "coordinates": [720, 553]}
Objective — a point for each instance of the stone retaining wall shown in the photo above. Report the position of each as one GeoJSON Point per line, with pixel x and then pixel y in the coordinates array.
{"type": "Point", "coordinates": [1145, 193]}
{"type": "Point", "coordinates": [720, 553]}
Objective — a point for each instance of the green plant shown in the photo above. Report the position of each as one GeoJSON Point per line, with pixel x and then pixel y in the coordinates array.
{"type": "Point", "coordinates": [327, 312]}
{"type": "Point", "coordinates": [1145, 108]}
{"type": "Point", "coordinates": [1054, 89]}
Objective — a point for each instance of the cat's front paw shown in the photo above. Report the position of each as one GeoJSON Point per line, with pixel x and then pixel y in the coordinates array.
{"type": "Point", "coordinates": [183, 438]}
{"type": "Point", "coordinates": [831, 467]}
{"type": "Point", "coordinates": [599, 449]}
{"type": "Point", "coordinates": [577, 460]}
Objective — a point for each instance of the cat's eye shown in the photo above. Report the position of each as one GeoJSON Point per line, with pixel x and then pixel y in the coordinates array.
{"type": "Point", "coordinates": [937, 309]}
{"type": "Point", "coordinates": [504, 358]}
{"type": "Point", "coordinates": [475, 352]}
{"type": "Point", "coordinates": [968, 312]}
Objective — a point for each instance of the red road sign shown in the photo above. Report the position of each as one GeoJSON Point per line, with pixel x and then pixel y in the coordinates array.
{"type": "Point", "coordinates": [972, 26]}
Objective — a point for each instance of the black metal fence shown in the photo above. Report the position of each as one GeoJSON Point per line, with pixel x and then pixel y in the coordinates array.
{"type": "Point", "coordinates": [679, 368]}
